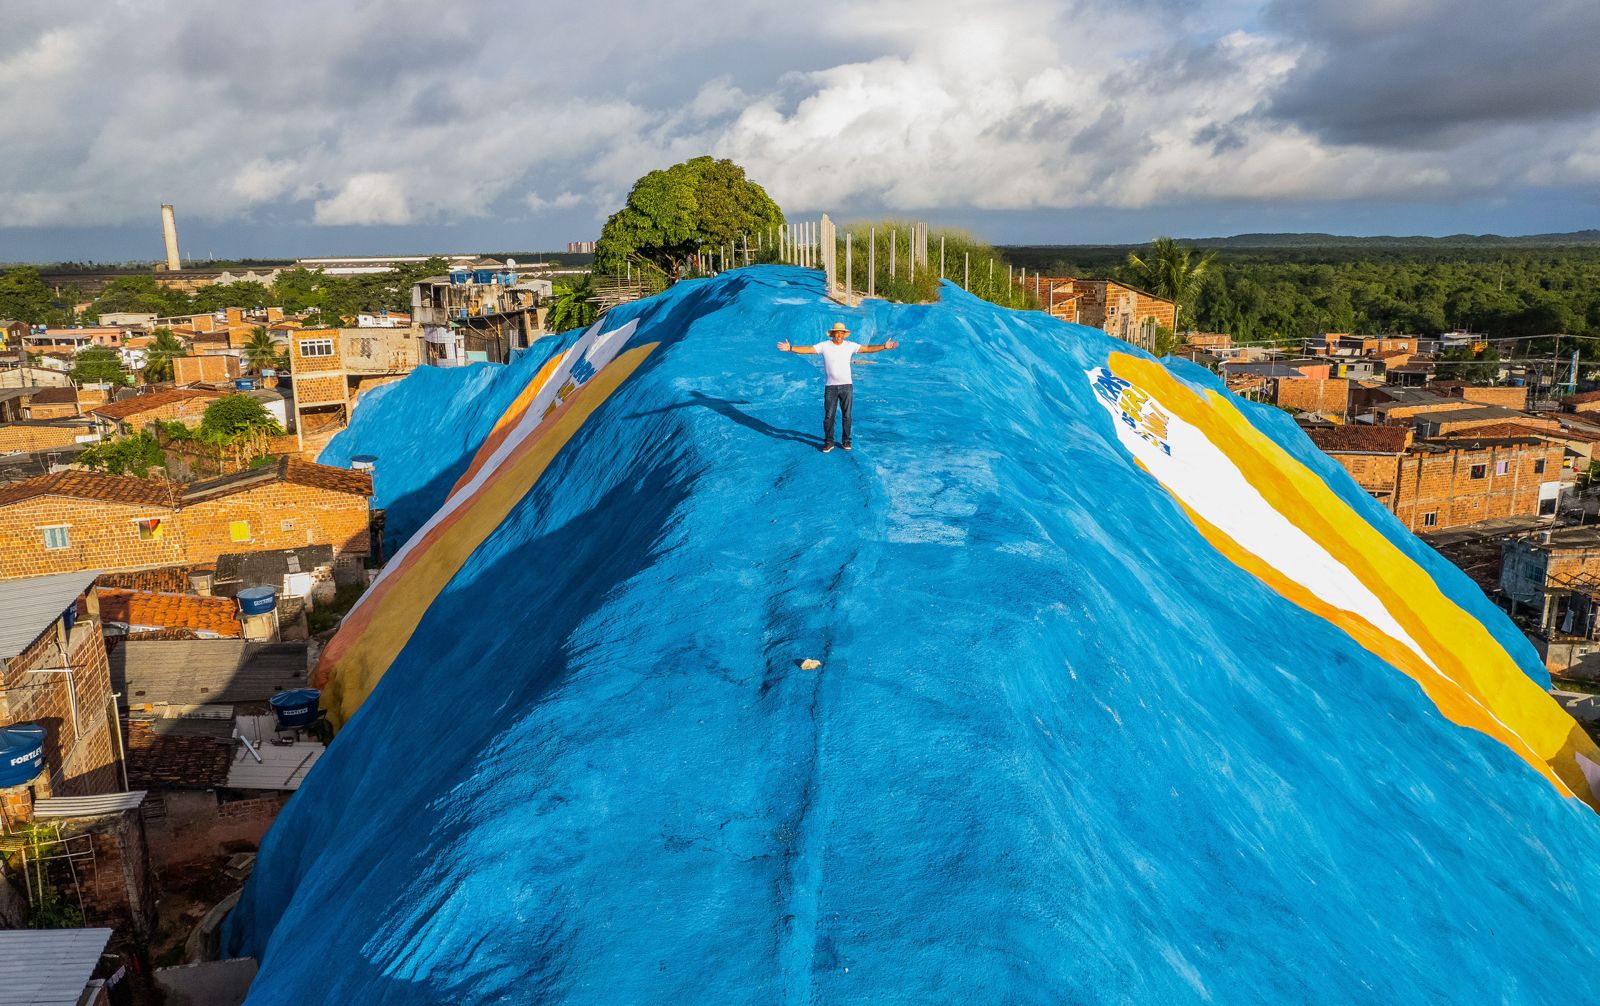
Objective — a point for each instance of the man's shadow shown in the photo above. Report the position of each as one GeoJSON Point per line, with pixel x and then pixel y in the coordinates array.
{"type": "Point", "coordinates": [731, 410]}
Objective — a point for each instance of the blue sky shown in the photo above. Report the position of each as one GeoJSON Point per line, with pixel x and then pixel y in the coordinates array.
{"type": "Point", "coordinates": [401, 125]}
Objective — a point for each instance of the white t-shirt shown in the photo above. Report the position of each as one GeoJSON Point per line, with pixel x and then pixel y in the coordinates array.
{"type": "Point", "coordinates": [836, 359]}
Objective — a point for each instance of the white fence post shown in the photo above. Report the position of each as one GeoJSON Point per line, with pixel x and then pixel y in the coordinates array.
{"type": "Point", "coordinates": [892, 241]}
{"type": "Point", "coordinates": [849, 279]}
{"type": "Point", "coordinates": [872, 262]}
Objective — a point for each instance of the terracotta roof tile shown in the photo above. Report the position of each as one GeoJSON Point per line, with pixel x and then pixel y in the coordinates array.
{"type": "Point", "coordinates": [93, 486]}
{"type": "Point", "coordinates": [1360, 437]}
{"type": "Point", "coordinates": [1501, 430]}
{"type": "Point", "coordinates": [1585, 397]}
{"type": "Point", "coordinates": [288, 469]}
{"type": "Point", "coordinates": [128, 407]}
{"type": "Point", "coordinates": [175, 759]}
{"type": "Point", "coordinates": [139, 609]}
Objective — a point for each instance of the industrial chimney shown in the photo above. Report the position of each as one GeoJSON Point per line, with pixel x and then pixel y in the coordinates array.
{"type": "Point", "coordinates": [169, 230]}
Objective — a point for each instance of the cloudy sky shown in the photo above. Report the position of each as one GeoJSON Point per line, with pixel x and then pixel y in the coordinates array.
{"type": "Point", "coordinates": [400, 125]}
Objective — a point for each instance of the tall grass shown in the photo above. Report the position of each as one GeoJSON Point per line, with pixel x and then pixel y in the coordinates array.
{"type": "Point", "coordinates": [968, 262]}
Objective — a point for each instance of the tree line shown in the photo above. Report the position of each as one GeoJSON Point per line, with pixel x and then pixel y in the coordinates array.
{"type": "Point", "coordinates": [24, 296]}
{"type": "Point", "coordinates": [1288, 294]}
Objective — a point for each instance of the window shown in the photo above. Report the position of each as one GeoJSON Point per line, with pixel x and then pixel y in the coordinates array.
{"type": "Point", "coordinates": [1538, 467]}
{"type": "Point", "coordinates": [56, 537]}
{"type": "Point", "coordinates": [316, 347]}
{"type": "Point", "coordinates": [1430, 519]}
{"type": "Point", "coordinates": [1480, 471]}
{"type": "Point", "coordinates": [150, 530]}
{"type": "Point", "coordinates": [1501, 467]}
{"type": "Point", "coordinates": [239, 530]}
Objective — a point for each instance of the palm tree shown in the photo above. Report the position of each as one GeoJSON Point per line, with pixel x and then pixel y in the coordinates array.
{"type": "Point", "coordinates": [260, 352]}
{"type": "Point", "coordinates": [158, 355]}
{"type": "Point", "coordinates": [573, 306]}
{"type": "Point", "coordinates": [1174, 272]}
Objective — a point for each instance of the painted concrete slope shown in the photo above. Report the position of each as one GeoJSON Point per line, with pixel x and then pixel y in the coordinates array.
{"type": "Point", "coordinates": [1127, 693]}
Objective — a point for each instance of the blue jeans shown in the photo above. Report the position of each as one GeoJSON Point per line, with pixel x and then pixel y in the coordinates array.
{"type": "Point", "coordinates": [836, 396]}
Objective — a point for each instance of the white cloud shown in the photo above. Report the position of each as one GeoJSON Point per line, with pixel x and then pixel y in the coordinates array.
{"type": "Point", "coordinates": [909, 104]}
{"type": "Point", "coordinates": [372, 198]}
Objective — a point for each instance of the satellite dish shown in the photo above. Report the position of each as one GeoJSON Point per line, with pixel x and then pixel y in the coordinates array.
{"type": "Point", "coordinates": [511, 263]}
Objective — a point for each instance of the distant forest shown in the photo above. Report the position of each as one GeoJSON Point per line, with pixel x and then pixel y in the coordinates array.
{"type": "Point", "coordinates": [1309, 284]}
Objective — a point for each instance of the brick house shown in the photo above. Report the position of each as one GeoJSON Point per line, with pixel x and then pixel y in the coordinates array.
{"type": "Point", "coordinates": [1115, 308]}
{"type": "Point", "coordinates": [220, 369]}
{"type": "Point", "coordinates": [1588, 401]}
{"type": "Point", "coordinates": [76, 520]}
{"type": "Point", "coordinates": [54, 673]}
{"type": "Point", "coordinates": [73, 520]}
{"type": "Point", "coordinates": [44, 434]}
{"type": "Point", "coordinates": [286, 505]}
{"type": "Point", "coordinates": [321, 391]}
{"type": "Point", "coordinates": [129, 415]}
{"type": "Point", "coordinates": [1327, 396]}
{"type": "Point", "coordinates": [1550, 581]}
{"type": "Point", "coordinates": [1505, 396]}
{"type": "Point", "coordinates": [53, 403]}
{"type": "Point", "coordinates": [1434, 485]}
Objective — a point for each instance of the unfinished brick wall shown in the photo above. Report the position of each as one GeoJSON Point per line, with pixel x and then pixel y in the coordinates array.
{"type": "Point", "coordinates": [1442, 484]}
{"type": "Point", "coordinates": [1376, 473]}
{"type": "Point", "coordinates": [215, 368]}
{"type": "Point", "coordinates": [189, 412]}
{"type": "Point", "coordinates": [117, 885]}
{"type": "Point", "coordinates": [81, 765]}
{"type": "Point", "coordinates": [53, 410]}
{"type": "Point", "coordinates": [1331, 395]}
{"type": "Point", "coordinates": [27, 437]}
{"type": "Point", "coordinates": [100, 535]}
{"type": "Point", "coordinates": [279, 515]}
{"type": "Point", "coordinates": [194, 825]}
{"type": "Point", "coordinates": [1505, 398]}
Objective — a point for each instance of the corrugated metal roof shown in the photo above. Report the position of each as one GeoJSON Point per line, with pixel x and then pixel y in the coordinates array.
{"type": "Point", "coordinates": [29, 606]}
{"type": "Point", "coordinates": [88, 806]}
{"type": "Point", "coordinates": [282, 766]}
{"type": "Point", "coordinates": [48, 967]}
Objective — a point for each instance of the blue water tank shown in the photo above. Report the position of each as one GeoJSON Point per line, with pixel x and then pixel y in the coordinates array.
{"type": "Point", "coordinates": [21, 753]}
{"type": "Point", "coordinates": [257, 600]}
{"type": "Point", "coordinates": [244, 384]}
{"type": "Point", "coordinates": [296, 708]}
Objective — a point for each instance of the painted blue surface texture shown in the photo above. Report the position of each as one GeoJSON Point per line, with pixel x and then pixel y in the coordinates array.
{"type": "Point", "coordinates": [1059, 750]}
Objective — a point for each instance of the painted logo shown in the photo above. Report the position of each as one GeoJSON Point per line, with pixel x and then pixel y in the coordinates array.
{"type": "Point", "coordinates": [1134, 408]}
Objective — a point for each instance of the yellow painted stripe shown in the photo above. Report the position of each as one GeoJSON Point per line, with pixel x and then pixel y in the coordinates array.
{"type": "Point", "coordinates": [1473, 680]}
{"type": "Point", "coordinates": [359, 655]}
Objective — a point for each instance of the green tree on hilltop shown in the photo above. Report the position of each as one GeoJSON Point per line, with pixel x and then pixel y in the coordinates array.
{"type": "Point", "coordinates": [673, 212]}
{"type": "Point", "coordinates": [1172, 271]}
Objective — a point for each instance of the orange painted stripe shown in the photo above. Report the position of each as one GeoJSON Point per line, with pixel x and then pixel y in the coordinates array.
{"type": "Point", "coordinates": [374, 634]}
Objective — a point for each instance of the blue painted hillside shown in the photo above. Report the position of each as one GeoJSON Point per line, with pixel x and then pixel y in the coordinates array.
{"type": "Point", "coordinates": [1059, 750]}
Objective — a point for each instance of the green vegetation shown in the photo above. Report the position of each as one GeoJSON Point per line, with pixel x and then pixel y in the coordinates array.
{"type": "Point", "coordinates": [325, 616]}
{"type": "Point", "coordinates": [99, 365]}
{"type": "Point", "coordinates": [133, 455]}
{"type": "Point", "coordinates": [574, 305]}
{"type": "Point", "coordinates": [25, 297]}
{"type": "Point", "coordinates": [984, 270]}
{"type": "Point", "coordinates": [260, 353]}
{"type": "Point", "coordinates": [159, 354]}
{"type": "Point", "coordinates": [673, 212]}
{"type": "Point", "coordinates": [1371, 286]}
{"type": "Point", "coordinates": [1172, 271]}
{"type": "Point", "coordinates": [232, 415]}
